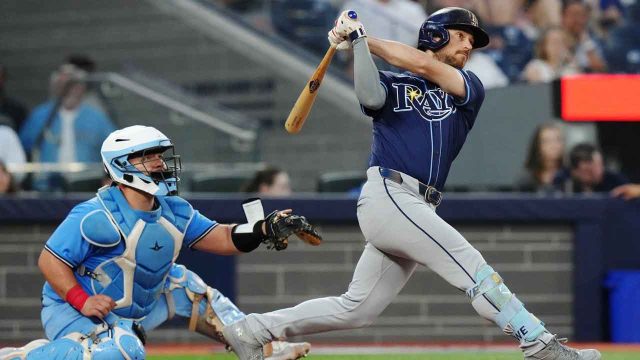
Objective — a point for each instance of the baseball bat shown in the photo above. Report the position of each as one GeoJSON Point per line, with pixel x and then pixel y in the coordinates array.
{"type": "Point", "coordinates": [303, 105]}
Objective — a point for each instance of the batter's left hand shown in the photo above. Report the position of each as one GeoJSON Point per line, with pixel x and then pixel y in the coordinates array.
{"type": "Point", "coordinates": [345, 24]}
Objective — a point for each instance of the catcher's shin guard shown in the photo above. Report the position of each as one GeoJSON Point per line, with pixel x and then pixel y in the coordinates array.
{"type": "Point", "coordinates": [207, 323]}
{"type": "Point", "coordinates": [209, 310]}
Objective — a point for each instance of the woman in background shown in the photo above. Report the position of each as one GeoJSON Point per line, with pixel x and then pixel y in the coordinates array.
{"type": "Point", "coordinates": [553, 58]}
{"type": "Point", "coordinates": [544, 158]}
{"type": "Point", "coordinates": [270, 182]}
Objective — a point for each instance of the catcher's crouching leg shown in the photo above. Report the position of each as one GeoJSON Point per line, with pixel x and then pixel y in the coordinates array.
{"type": "Point", "coordinates": [209, 311]}
{"type": "Point", "coordinates": [118, 342]}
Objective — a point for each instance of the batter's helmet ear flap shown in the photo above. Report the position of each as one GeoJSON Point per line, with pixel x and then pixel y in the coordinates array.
{"type": "Point", "coordinates": [432, 36]}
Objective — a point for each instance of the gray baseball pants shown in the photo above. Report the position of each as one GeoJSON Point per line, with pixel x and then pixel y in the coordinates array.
{"type": "Point", "coordinates": [402, 230]}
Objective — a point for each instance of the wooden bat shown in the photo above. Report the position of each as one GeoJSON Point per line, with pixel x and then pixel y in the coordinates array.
{"type": "Point", "coordinates": [303, 105]}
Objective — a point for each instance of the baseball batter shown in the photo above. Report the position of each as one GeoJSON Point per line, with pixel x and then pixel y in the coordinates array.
{"type": "Point", "coordinates": [421, 119]}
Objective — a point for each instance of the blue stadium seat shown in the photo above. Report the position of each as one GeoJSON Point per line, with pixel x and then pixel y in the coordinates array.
{"type": "Point", "coordinates": [623, 50]}
{"type": "Point", "coordinates": [225, 183]}
{"type": "Point", "coordinates": [341, 181]}
{"type": "Point", "coordinates": [516, 52]}
{"type": "Point", "coordinates": [304, 22]}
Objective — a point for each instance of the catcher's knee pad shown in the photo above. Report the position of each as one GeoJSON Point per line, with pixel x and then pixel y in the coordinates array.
{"type": "Point", "coordinates": [209, 311]}
{"type": "Point", "coordinates": [21, 353]}
{"type": "Point", "coordinates": [103, 343]}
{"type": "Point", "coordinates": [512, 316]}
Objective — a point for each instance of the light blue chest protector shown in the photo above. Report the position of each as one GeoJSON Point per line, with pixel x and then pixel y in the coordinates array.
{"type": "Point", "coordinates": [134, 279]}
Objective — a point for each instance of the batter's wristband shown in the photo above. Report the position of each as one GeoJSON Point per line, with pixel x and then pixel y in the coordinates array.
{"type": "Point", "coordinates": [357, 34]}
{"type": "Point", "coordinates": [77, 297]}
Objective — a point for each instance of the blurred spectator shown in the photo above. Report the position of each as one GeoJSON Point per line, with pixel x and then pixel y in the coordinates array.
{"type": "Point", "coordinates": [487, 70]}
{"type": "Point", "coordinates": [498, 12]}
{"type": "Point", "coordinates": [11, 151]}
{"type": "Point", "coordinates": [575, 21]}
{"type": "Point", "coordinates": [627, 191]}
{"type": "Point", "coordinates": [435, 5]}
{"type": "Point", "coordinates": [606, 15]}
{"type": "Point", "coordinates": [64, 129]}
{"type": "Point", "coordinates": [12, 112]}
{"type": "Point", "coordinates": [623, 43]}
{"type": "Point", "coordinates": [553, 58]}
{"type": "Point", "coordinates": [544, 158]}
{"type": "Point", "coordinates": [305, 22]}
{"type": "Point", "coordinates": [397, 20]}
{"type": "Point", "coordinates": [93, 95]}
{"type": "Point", "coordinates": [539, 15]}
{"type": "Point", "coordinates": [270, 182]}
{"type": "Point", "coordinates": [587, 173]}
{"type": "Point", "coordinates": [7, 183]}
{"type": "Point", "coordinates": [511, 50]}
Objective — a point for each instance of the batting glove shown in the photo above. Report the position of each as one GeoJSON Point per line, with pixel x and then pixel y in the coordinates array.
{"type": "Point", "coordinates": [339, 42]}
{"type": "Point", "coordinates": [347, 28]}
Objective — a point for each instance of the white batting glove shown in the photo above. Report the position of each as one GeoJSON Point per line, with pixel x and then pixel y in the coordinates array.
{"type": "Point", "coordinates": [339, 42]}
{"type": "Point", "coordinates": [346, 24]}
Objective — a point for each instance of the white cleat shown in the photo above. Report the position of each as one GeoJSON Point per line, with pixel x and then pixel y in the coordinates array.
{"type": "Point", "coordinates": [242, 341]}
{"type": "Point", "coordinates": [283, 350]}
{"type": "Point", "coordinates": [556, 350]}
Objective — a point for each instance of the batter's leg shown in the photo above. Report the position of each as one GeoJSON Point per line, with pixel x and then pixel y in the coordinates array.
{"type": "Point", "coordinates": [376, 281]}
{"type": "Point", "coordinates": [419, 234]}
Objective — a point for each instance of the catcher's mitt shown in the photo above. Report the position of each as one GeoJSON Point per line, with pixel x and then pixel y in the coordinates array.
{"type": "Point", "coordinates": [280, 225]}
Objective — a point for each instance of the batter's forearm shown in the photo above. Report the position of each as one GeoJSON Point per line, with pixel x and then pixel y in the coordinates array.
{"type": "Point", "coordinates": [58, 274]}
{"type": "Point", "coordinates": [419, 62]}
{"type": "Point", "coordinates": [401, 55]}
{"type": "Point", "coordinates": [369, 91]}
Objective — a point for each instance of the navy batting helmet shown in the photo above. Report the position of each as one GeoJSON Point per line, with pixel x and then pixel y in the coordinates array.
{"type": "Point", "coordinates": [434, 35]}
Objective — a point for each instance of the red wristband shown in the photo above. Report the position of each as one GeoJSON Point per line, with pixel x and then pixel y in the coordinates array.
{"type": "Point", "coordinates": [76, 297]}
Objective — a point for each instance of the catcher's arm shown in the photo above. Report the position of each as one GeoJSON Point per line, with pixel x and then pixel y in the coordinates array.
{"type": "Point", "coordinates": [273, 230]}
{"type": "Point", "coordinates": [282, 224]}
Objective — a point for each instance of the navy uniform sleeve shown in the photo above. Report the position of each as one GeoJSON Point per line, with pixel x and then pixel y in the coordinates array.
{"type": "Point", "coordinates": [385, 79]}
{"type": "Point", "coordinates": [474, 96]}
{"type": "Point", "coordinates": [198, 228]}
{"type": "Point", "coordinates": [66, 242]}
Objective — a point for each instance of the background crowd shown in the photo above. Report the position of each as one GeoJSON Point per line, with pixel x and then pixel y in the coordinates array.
{"type": "Point", "coordinates": [532, 41]}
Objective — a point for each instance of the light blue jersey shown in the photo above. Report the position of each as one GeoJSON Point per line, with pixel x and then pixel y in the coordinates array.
{"type": "Point", "coordinates": [87, 248]}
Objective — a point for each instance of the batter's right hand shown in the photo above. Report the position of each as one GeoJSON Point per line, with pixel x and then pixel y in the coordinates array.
{"type": "Point", "coordinates": [98, 306]}
{"type": "Point", "coordinates": [337, 41]}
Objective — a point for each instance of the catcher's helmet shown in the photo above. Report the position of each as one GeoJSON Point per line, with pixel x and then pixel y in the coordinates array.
{"type": "Point", "coordinates": [437, 24]}
{"type": "Point", "coordinates": [134, 141]}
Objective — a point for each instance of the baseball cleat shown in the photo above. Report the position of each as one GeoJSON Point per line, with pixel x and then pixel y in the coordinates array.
{"type": "Point", "coordinates": [283, 350]}
{"type": "Point", "coordinates": [556, 350]}
{"type": "Point", "coordinates": [242, 341]}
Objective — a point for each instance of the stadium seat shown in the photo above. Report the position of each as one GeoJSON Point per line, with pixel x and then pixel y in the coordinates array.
{"type": "Point", "coordinates": [216, 182]}
{"type": "Point", "coordinates": [341, 181]}
{"type": "Point", "coordinates": [84, 182]}
{"type": "Point", "coordinates": [623, 50]}
{"type": "Point", "coordinates": [304, 22]}
{"type": "Point", "coordinates": [516, 52]}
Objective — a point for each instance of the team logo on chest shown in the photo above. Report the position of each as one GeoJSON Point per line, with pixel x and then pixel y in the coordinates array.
{"type": "Point", "coordinates": [432, 105]}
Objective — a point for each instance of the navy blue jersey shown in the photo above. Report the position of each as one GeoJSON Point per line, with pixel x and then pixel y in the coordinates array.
{"type": "Point", "coordinates": [421, 129]}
